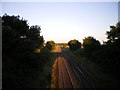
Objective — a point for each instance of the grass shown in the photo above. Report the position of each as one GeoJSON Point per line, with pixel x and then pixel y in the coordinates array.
{"type": "Point", "coordinates": [54, 76]}
{"type": "Point", "coordinates": [48, 68]}
{"type": "Point", "coordinates": [104, 80]}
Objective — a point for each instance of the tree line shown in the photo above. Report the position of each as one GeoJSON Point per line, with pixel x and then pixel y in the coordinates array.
{"type": "Point", "coordinates": [23, 54]}
{"type": "Point", "coordinates": [106, 55]}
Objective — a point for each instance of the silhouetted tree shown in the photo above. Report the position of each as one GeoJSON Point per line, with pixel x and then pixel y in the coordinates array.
{"type": "Point", "coordinates": [108, 54]}
{"type": "Point", "coordinates": [21, 65]}
{"type": "Point", "coordinates": [112, 49]}
{"type": "Point", "coordinates": [90, 44]}
{"type": "Point", "coordinates": [114, 33]}
{"type": "Point", "coordinates": [74, 44]}
{"type": "Point", "coordinates": [50, 45]}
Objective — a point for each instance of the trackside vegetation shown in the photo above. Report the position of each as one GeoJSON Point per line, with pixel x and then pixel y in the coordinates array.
{"type": "Point", "coordinates": [50, 45]}
{"type": "Point", "coordinates": [106, 56]}
{"type": "Point", "coordinates": [27, 60]}
{"type": "Point", "coordinates": [74, 44]}
{"type": "Point", "coordinates": [24, 55]}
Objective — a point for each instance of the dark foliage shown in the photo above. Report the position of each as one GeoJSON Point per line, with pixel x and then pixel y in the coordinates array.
{"type": "Point", "coordinates": [50, 45]}
{"type": "Point", "coordinates": [22, 67]}
{"type": "Point", "coordinates": [106, 55]}
{"type": "Point", "coordinates": [74, 44]}
{"type": "Point", "coordinates": [90, 45]}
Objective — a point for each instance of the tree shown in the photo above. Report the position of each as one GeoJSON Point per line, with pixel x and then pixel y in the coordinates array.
{"type": "Point", "coordinates": [90, 44]}
{"type": "Point", "coordinates": [34, 35]}
{"type": "Point", "coordinates": [12, 30]}
{"type": "Point", "coordinates": [15, 25]}
{"type": "Point", "coordinates": [34, 32]}
{"type": "Point", "coordinates": [50, 45]}
{"type": "Point", "coordinates": [112, 49]}
{"type": "Point", "coordinates": [21, 65]}
{"type": "Point", "coordinates": [114, 33]}
{"type": "Point", "coordinates": [74, 44]}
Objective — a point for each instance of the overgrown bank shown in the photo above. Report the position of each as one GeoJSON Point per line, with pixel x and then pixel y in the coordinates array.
{"type": "Point", "coordinates": [103, 60]}
{"type": "Point", "coordinates": [103, 79]}
{"type": "Point", "coordinates": [25, 56]}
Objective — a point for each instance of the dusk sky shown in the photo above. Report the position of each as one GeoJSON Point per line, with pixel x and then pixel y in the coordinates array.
{"type": "Point", "coordinates": [64, 21]}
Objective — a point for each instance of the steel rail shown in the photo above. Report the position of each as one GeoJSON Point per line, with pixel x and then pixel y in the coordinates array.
{"type": "Point", "coordinates": [75, 67]}
{"type": "Point", "coordinates": [75, 73]}
{"type": "Point", "coordinates": [71, 81]}
{"type": "Point", "coordinates": [61, 71]}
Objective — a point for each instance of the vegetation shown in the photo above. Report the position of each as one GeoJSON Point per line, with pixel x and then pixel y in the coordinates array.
{"type": "Point", "coordinates": [50, 45]}
{"type": "Point", "coordinates": [26, 58]}
{"type": "Point", "coordinates": [112, 47]}
{"type": "Point", "coordinates": [74, 44]}
{"type": "Point", "coordinates": [23, 54]}
{"type": "Point", "coordinates": [106, 57]}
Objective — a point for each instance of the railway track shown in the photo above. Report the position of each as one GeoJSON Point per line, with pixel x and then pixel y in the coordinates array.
{"type": "Point", "coordinates": [83, 79]}
{"type": "Point", "coordinates": [67, 78]}
{"type": "Point", "coordinates": [70, 75]}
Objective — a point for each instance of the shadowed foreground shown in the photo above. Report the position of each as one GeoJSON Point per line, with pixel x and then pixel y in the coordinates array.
{"type": "Point", "coordinates": [66, 74]}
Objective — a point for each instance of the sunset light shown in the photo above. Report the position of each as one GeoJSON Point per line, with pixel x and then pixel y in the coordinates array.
{"type": "Point", "coordinates": [62, 21]}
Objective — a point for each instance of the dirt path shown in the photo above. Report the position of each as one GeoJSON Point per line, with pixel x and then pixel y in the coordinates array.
{"type": "Point", "coordinates": [65, 73]}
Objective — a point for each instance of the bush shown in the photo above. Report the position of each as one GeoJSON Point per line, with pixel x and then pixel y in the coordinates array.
{"type": "Point", "coordinates": [74, 44]}
{"type": "Point", "coordinates": [50, 45]}
{"type": "Point", "coordinates": [22, 67]}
